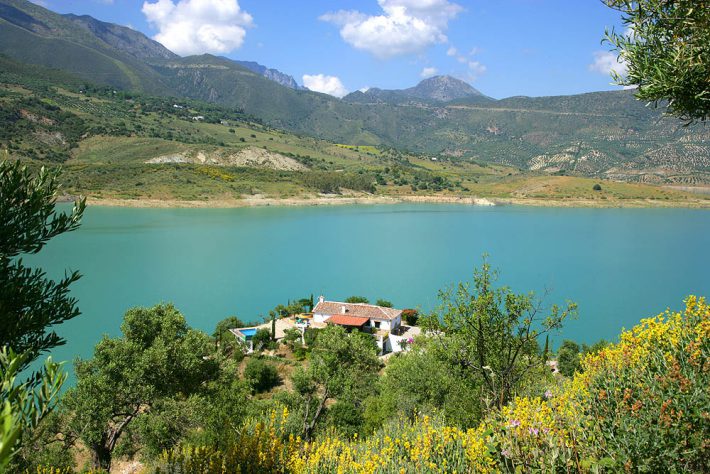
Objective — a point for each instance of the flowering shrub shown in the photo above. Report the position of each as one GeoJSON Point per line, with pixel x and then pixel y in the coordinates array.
{"type": "Point", "coordinates": [639, 406]}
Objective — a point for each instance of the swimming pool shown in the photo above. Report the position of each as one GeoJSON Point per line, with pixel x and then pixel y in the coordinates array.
{"type": "Point", "coordinates": [248, 332]}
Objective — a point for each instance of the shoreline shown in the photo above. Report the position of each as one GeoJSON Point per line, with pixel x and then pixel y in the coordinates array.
{"type": "Point", "coordinates": [412, 199]}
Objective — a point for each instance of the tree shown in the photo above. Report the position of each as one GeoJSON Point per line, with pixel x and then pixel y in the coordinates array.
{"type": "Point", "coordinates": [356, 299]}
{"type": "Point", "coordinates": [157, 357]}
{"type": "Point", "coordinates": [384, 303]}
{"type": "Point", "coordinates": [30, 303]}
{"type": "Point", "coordinates": [492, 333]}
{"type": "Point", "coordinates": [261, 338]}
{"type": "Point", "coordinates": [568, 358]}
{"type": "Point", "coordinates": [26, 404]}
{"type": "Point", "coordinates": [411, 316]}
{"type": "Point", "coordinates": [665, 48]}
{"type": "Point", "coordinates": [260, 375]}
{"type": "Point", "coordinates": [342, 366]}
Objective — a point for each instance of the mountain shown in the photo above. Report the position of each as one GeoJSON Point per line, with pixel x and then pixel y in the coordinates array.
{"type": "Point", "coordinates": [433, 89]}
{"type": "Point", "coordinates": [123, 38]}
{"type": "Point", "coordinates": [605, 134]}
{"type": "Point", "coordinates": [272, 74]}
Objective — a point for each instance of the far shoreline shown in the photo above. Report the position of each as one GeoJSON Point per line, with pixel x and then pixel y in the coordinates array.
{"type": "Point", "coordinates": [407, 199]}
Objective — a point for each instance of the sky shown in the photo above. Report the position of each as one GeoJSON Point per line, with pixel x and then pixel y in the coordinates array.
{"type": "Point", "coordinates": [502, 47]}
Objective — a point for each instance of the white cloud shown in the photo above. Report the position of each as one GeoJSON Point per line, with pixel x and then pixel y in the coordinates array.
{"type": "Point", "coordinates": [607, 61]}
{"type": "Point", "coordinates": [198, 26]}
{"type": "Point", "coordinates": [428, 72]}
{"type": "Point", "coordinates": [330, 85]}
{"type": "Point", "coordinates": [404, 27]}
{"type": "Point", "coordinates": [451, 51]}
{"type": "Point", "coordinates": [475, 69]}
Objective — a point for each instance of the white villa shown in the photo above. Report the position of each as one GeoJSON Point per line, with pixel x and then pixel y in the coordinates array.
{"type": "Point", "coordinates": [357, 315]}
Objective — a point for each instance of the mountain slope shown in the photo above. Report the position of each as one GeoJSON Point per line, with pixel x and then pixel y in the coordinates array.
{"type": "Point", "coordinates": [606, 134]}
{"type": "Point", "coordinates": [271, 74]}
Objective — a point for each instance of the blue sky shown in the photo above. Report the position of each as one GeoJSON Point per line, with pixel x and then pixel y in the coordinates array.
{"type": "Point", "coordinates": [502, 47]}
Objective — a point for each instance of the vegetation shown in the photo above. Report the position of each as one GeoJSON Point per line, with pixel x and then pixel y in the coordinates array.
{"type": "Point", "coordinates": [357, 299]}
{"type": "Point", "coordinates": [665, 48]}
{"type": "Point", "coordinates": [30, 303]}
{"type": "Point", "coordinates": [261, 375]}
{"type": "Point", "coordinates": [158, 358]}
{"type": "Point", "coordinates": [492, 334]}
{"type": "Point", "coordinates": [632, 409]}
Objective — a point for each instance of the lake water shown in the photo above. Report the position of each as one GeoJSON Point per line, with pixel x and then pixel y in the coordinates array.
{"type": "Point", "coordinates": [619, 265]}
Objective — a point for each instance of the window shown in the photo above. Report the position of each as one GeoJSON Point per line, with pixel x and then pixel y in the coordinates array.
{"type": "Point", "coordinates": [377, 325]}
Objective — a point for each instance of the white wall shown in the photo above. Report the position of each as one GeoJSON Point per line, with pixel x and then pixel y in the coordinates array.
{"type": "Point", "coordinates": [320, 318]}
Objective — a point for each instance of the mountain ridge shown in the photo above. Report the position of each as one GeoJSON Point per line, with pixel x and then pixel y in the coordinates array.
{"type": "Point", "coordinates": [604, 134]}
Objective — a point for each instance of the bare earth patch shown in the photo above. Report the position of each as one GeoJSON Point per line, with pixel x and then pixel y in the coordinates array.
{"type": "Point", "coordinates": [250, 157]}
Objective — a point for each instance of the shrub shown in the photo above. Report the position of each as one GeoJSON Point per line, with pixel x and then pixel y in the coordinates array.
{"type": "Point", "coordinates": [384, 303]}
{"type": "Point", "coordinates": [597, 187]}
{"type": "Point", "coordinates": [260, 375]}
{"type": "Point", "coordinates": [410, 316]}
{"type": "Point", "coordinates": [310, 336]}
{"type": "Point", "coordinates": [568, 358]}
{"type": "Point", "coordinates": [356, 299]}
{"type": "Point", "coordinates": [261, 339]}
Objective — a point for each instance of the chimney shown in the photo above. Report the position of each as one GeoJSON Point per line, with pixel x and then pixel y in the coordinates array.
{"type": "Point", "coordinates": [321, 299]}
{"type": "Point", "coordinates": [342, 309]}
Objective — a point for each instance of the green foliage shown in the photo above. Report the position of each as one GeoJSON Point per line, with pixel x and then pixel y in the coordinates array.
{"type": "Point", "coordinates": [597, 187]}
{"type": "Point", "coordinates": [410, 316]}
{"type": "Point", "coordinates": [24, 405]}
{"type": "Point", "coordinates": [225, 325]}
{"type": "Point", "coordinates": [666, 50]}
{"type": "Point", "coordinates": [420, 381]}
{"type": "Point", "coordinates": [341, 367]}
{"type": "Point", "coordinates": [384, 303]}
{"type": "Point", "coordinates": [357, 299]}
{"type": "Point", "coordinates": [346, 418]}
{"type": "Point", "coordinates": [261, 375]}
{"type": "Point", "coordinates": [310, 336]}
{"type": "Point", "coordinates": [261, 339]}
{"type": "Point", "coordinates": [157, 357]}
{"type": "Point", "coordinates": [30, 303]}
{"type": "Point", "coordinates": [492, 333]}
{"type": "Point", "coordinates": [568, 358]}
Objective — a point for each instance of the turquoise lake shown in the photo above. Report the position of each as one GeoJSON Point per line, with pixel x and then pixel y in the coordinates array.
{"type": "Point", "coordinates": [619, 265]}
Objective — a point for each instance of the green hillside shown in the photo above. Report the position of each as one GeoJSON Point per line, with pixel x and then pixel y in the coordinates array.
{"type": "Point", "coordinates": [120, 145]}
{"type": "Point", "coordinates": [601, 135]}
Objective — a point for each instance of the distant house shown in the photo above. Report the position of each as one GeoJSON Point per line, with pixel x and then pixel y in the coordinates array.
{"type": "Point", "coordinates": [357, 315]}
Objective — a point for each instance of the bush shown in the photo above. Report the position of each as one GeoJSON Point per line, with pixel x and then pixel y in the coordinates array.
{"type": "Point", "coordinates": [384, 303]}
{"type": "Point", "coordinates": [597, 187]}
{"type": "Point", "coordinates": [310, 336]}
{"type": "Point", "coordinates": [260, 375]}
{"type": "Point", "coordinates": [356, 299]}
{"type": "Point", "coordinates": [410, 316]}
{"type": "Point", "coordinates": [568, 358]}
{"type": "Point", "coordinates": [261, 339]}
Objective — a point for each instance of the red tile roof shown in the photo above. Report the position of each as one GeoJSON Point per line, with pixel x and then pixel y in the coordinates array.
{"type": "Point", "coordinates": [343, 320]}
{"type": "Point", "coordinates": [360, 310]}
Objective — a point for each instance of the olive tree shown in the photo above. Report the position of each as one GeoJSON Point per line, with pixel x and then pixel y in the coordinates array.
{"type": "Point", "coordinates": [24, 405]}
{"type": "Point", "coordinates": [492, 333]}
{"type": "Point", "coordinates": [666, 48]}
{"type": "Point", "coordinates": [157, 357]}
{"type": "Point", "coordinates": [341, 366]}
{"type": "Point", "coordinates": [31, 303]}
